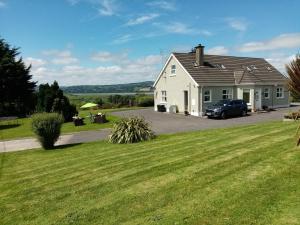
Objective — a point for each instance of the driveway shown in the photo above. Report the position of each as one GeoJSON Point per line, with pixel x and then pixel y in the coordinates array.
{"type": "Point", "coordinates": [162, 123]}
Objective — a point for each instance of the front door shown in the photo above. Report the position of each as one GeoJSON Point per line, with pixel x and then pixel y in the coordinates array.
{"type": "Point", "coordinates": [186, 101]}
{"type": "Point", "coordinates": [257, 98]}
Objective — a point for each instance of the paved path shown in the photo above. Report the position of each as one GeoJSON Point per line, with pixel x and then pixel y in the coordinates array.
{"type": "Point", "coordinates": [30, 143]}
{"type": "Point", "coordinates": [161, 123]}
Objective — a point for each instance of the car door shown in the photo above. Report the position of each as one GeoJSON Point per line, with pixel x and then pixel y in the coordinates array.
{"type": "Point", "coordinates": [230, 108]}
{"type": "Point", "coordinates": [236, 107]}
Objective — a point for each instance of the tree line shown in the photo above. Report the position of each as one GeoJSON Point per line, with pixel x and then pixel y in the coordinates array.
{"type": "Point", "coordinates": [19, 95]}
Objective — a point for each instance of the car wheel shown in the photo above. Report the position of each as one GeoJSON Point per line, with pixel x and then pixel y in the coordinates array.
{"type": "Point", "coordinates": [244, 113]}
{"type": "Point", "coordinates": [223, 115]}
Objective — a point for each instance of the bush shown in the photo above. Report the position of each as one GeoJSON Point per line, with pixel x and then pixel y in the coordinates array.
{"type": "Point", "coordinates": [47, 128]}
{"type": "Point", "coordinates": [292, 115]}
{"type": "Point", "coordinates": [131, 130]}
{"type": "Point", "coordinates": [145, 101]}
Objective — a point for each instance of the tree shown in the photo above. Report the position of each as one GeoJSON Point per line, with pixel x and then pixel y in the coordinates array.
{"type": "Point", "coordinates": [293, 70]}
{"type": "Point", "coordinates": [52, 99]}
{"type": "Point", "coordinates": [17, 90]}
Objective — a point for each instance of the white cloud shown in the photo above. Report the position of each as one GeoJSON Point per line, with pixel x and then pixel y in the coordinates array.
{"type": "Point", "coordinates": [105, 56]}
{"type": "Point", "coordinates": [166, 5]}
{"type": "Point", "coordinates": [63, 57]}
{"type": "Point", "coordinates": [107, 8]}
{"type": "Point", "coordinates": [2, 4]}
{"type": "Point", "coordinates": [142, 19]}
{"type": "Point", "coordinates": [282, 41]}
{"type": "Point", "coordinates": [218, 50]}
{"type": "Point", "coordinates": [181, 28]}
{"type": "Point", "coordinates": [279, 61]}
{"type": "Point", "coordinates": [238, 24]}
{"type": "Point", "coordinates": [73, 2]}
{"type": "Point", "coordinates": [123, 39]}
{"type": "Point", "coordinates": [140, 69]}
{"type": "Point", "coordinates": [35, 62]}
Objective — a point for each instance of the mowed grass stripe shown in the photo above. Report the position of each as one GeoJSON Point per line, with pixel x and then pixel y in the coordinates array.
{"type": "Point", "coordinates": [56, 164]}
{"type": "Point", "coordinates": [84, 169]}
{"type": "Point", "coordinates": [146, 190]}
{"type": "Point", "coordinates": [223, 174]}
{"type": "Point", "coordinates": [72, 184]}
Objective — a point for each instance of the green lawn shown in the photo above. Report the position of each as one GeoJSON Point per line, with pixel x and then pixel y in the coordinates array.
{"type": "Point", "coordinates": [242, 175]}
{"type": "Point", "coordinates": [13, 131]}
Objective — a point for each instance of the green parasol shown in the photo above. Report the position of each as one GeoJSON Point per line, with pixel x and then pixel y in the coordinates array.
{"type": "Point", "coordinates": [88, 105]}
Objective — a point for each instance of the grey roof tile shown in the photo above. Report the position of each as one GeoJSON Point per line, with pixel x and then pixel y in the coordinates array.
{"type": "Point", "coordinates": [235, 71]}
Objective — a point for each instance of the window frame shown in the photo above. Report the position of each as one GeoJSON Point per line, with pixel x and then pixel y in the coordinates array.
{"type": "Point", "coordinates": [230, 93]}
{"type": "Point", "coordinates": [282, 92]}
{"type": "Point", "coordinates": [205, 95]}
{"type": "Point", "coordinates": [268, 92]}
{"type": "Point", "coordinates": [173, 70]}
{"type": "Point", "coordinates": [164, 96]}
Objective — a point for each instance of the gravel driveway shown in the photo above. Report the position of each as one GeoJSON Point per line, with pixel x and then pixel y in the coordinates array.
{"type": "Point", "coordinates": [172, 123]}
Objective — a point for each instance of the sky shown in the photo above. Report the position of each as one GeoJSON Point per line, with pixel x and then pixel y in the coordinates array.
{"type": "Point", "coordinates": [122, 41]}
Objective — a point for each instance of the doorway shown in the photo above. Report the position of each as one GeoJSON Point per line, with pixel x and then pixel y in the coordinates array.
{"type": "Point", "coordinates": [246, 95]}
{"type": "Point", "coordinates": [257, 98]}
{"type": "Point", "coordinates": [186, 101]}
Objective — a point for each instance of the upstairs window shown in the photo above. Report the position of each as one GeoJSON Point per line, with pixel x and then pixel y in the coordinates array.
{"type": "Point", "coordinates": [279, 92]}
{"type": "Point", "coordinates": [207, 96]}
{"type": "Point", "coordinates": [220, 66]}
{"type": "Point", "coordinates": [269, 68]}
{"type": "Point", "coordinates": [266, 93]}
{"type": "Point", "coordinates": [164, 96]}
{"type": "Point", "coordinates": [173, 70]}
{"type": "Point", "coordinates": [227, 94]}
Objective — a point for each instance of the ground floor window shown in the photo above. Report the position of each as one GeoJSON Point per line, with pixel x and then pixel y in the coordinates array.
{"type": "Point", "coordinates": [279, 92]}
{"type": "Point", "coordinates": [227, 94]}
{"type": "Point", "coordinates": [164, 96]}
{"type": "Point", "coordinates": [207, 96]}
{"type": "Point", "coordinates": [266, 93]}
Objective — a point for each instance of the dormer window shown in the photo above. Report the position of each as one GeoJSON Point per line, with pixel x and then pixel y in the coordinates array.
{"type": "Point", "coordinates": [220, 66]}
{"type": "Point", "coordinates": [253, 67]}
{"type": "Point", "coordinates": [269, 68]}
{"type": "Point", "coordinates": [173, 70]}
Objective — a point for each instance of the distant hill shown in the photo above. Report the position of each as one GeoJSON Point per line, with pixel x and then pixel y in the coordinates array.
{"type": "Point", "coordinates": [114, 88]}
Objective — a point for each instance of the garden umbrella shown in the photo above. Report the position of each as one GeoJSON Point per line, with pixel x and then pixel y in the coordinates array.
{"type": "Point", "coordinates": [88, 105]}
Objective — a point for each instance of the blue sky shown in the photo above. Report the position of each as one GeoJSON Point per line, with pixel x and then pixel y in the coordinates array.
{"type": "Point", "coordinates": [118, 41]}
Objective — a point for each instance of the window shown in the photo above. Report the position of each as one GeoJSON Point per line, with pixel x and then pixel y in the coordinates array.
{"type": "Point", "coordinates": [269, 68]}
{"type": "Point", "coordinates": [173, 70]}
{"type": "Point", "coordinates": [279, 92]}
{"type": "Point", "coordinates": [220, 66]}
{"type": "Point", "coordinates": [253, 67]}
{"type": "Point", "coordinates": [164, 96]}
{"type": "Point", "coordinates": [227, 94]}
{"type": "Point", "coordinates": [207, 96]}
{"type": "Point", "coordinates": [266, 93]}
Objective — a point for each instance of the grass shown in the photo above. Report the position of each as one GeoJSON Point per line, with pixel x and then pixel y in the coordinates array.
{"type": "Point", "coordinates": [242, 175]}
{"type": "Point", "coordinates": [22, 127]}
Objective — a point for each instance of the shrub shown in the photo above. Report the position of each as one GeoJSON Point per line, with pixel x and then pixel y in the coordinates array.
{"type": "Point", "coordinates": [47, 128]}
{"type": "Point", "coordinates": [145, 101]}
{"type": "Point", "coordinates": [131, 130]}
{"type": "Point", "coordinates": [292, 115]}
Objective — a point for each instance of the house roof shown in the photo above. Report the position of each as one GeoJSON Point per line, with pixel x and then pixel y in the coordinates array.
{"type": "Point", "coordinates": [230, 69]}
